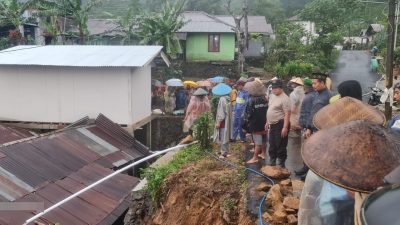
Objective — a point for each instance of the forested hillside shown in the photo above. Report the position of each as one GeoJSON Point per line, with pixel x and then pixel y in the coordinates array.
{"type": "Point", "coordinates": [274, 10]}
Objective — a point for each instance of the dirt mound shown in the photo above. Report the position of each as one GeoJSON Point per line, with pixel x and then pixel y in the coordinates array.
{"type": "Point", "coordinates": [204, 193]}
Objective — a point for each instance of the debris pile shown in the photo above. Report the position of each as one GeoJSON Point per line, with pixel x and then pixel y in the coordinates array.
{"type": "Point", "coordinates": [283, 199]}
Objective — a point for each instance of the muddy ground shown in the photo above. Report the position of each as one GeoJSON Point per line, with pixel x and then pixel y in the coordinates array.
{"type": "Point", "coordinates": [210, 192]}
{"type": "Point", "coordinates": [207, 192]}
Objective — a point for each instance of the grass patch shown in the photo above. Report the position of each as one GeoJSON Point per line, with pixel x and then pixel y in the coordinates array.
{"type": "Point", "coordinates": [156, 176]}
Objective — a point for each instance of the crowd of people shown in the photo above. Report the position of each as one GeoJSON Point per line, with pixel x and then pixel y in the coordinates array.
{"type": "Point", "coordinates": [261, 109]}
{"type": "Point", "coordinates": [267, 111]}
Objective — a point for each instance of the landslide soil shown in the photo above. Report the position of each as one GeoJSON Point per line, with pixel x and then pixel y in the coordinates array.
{"type": "Point", "coordinates": [207, 192]}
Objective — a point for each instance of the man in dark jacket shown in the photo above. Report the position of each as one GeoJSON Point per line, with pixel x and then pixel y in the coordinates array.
{"type": "Point", "coordinates": [306, 105]}
{"type": "Point", "coordinates": [320, 99]}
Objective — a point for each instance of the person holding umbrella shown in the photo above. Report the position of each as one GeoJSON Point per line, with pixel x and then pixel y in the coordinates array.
{"type": "Point", "coordinates": [223, 118]}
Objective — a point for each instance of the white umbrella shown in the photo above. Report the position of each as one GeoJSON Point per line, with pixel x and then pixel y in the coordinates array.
{"type": "Point", "coordinates": [174, 82]}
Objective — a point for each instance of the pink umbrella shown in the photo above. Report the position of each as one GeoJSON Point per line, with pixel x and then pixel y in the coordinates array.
{"type": "Point", "coordinates": [204, 83]}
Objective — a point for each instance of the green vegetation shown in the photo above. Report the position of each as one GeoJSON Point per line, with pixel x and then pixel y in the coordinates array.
{"type": "Point", "coordinates": [204, 129]}
{"type": "Point", "coordinates": [290, 57]}
{"type": "Point", "coordinates": [228, 203]}
{"type": "Point", "coordinates": [161, 28]}
{"type": "Point", "coordinates": [214, 105]}
{"type": "Point", "coordinates": [156, 176]}
{"type": "Point", "coordinates": [294, 68]}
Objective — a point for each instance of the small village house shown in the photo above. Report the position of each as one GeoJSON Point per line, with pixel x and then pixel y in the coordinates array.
{"type": "Point", "coordinates": [60, 84]}
{"type": "Point", "coordinates": [374, 32]}
{"type": "Point", "coordinates": [309, 28]}
{"type": "Point", "coordinates": [212, 38]}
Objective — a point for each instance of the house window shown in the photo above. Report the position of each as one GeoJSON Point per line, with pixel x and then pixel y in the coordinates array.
{"type": "Point", "coordinates": [213, 42]}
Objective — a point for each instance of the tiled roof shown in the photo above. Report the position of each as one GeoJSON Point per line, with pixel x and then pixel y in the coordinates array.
{"type": "Point", "coordinates": [51, 167]}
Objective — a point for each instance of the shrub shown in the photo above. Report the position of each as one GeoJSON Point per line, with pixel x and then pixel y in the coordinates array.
{"type": "Point", "coordinates": [293, 68]}
{"type": "Point", "coordinates": [156, 175]}
{"type": "Point", "coordinates": [204, 129]}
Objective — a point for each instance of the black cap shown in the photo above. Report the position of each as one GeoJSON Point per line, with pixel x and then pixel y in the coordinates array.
{"type": "Point", "coordinates": [276, 83]}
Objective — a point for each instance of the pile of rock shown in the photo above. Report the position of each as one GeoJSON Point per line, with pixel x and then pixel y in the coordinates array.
{"type": "Point", "coordinates": [283, 198]}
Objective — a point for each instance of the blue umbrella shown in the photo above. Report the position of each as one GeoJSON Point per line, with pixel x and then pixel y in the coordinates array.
{"type": "Point", "coordinates": [174, 83]}
{"type": "Point", "coordinates": [221, 89]}
{"type": "Point", "coordinates": [217, 79]}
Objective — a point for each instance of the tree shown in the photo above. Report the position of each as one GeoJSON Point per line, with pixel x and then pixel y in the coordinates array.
{"type": "Point", "coordinates": [127, 22]}
{"type": "Point", "coordinates": [271, 9]}
{"type": "Point", "coordinates": [331, 18]}
{"type": "Point", "coordinates": [242, 35]}
{"type": "Point", "coordinates": [161, 28]}
{"type": "Point", "coordinates": [211, 7]}
{"type": "Point", "coordinates": [11, 13]}
{"type": "Point", "coordinates": [75, 10]}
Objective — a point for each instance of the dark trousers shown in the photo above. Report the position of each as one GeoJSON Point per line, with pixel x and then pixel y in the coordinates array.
{"type": "Point", "coordinates": [277, 144]}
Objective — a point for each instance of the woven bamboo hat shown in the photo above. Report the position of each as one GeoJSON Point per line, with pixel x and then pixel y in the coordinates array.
{"type": "Point", "coordinates": [255, 88]}
{"type": "Point", "coordinates": [297, 80]}
{"type": "Point", "coordinates": [344, 110]}
{"type": "Point", "coordinates": [356, 155]}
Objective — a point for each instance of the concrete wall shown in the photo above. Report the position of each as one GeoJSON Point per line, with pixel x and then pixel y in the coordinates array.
{"type": "Point", "coordinates": [197, 47]}
{"type": "Point", "coordinates": [65, 94]}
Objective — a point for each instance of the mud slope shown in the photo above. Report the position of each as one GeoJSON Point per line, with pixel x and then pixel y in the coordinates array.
{"type": "Point", "coordinates": [204, 193]}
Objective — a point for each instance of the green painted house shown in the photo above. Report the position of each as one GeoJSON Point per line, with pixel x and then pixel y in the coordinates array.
{"type": "Point", "coordinates": [212, 38]}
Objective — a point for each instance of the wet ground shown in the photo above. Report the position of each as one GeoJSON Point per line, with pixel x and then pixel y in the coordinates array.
{"type": "Point", "coordinates": [354, 65]}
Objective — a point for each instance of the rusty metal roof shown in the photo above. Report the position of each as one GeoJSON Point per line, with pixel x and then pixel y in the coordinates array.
{"type": "Point", "coordinates": [10, 134]}
{"type": "Point", "coordinates": [51, 167]}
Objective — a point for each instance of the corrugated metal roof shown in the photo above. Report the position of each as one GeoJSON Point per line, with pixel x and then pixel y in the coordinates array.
{"type": "Point", "coordinates": [10, 134]}
{"type": "Point", "coordinates": [375, 28]}
{"type": "Point", "coordinates": [51, 167]}
{"type": "Point", "coordinates": [257, 24]}
{"type": "Point", "coordinates": [80, 55]}
{"type": "Point", "coordinates": [201, 22]}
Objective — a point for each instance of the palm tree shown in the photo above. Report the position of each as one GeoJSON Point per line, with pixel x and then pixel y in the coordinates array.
{"type": "Point", "coordinates": [161, 28]}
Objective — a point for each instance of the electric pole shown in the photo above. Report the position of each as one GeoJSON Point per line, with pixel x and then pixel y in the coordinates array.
{"type": "Point", "coordinates": [391, 30]}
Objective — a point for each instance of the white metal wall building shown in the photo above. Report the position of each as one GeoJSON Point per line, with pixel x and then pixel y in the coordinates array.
{"type": "Point", "coordinates": [61, 84]}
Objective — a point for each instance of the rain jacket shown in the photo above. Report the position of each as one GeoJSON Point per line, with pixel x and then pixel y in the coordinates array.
{"type": "Point", "coordinates": [196, 107]}
{"type": "Point", "coordinates": [223, 116]}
